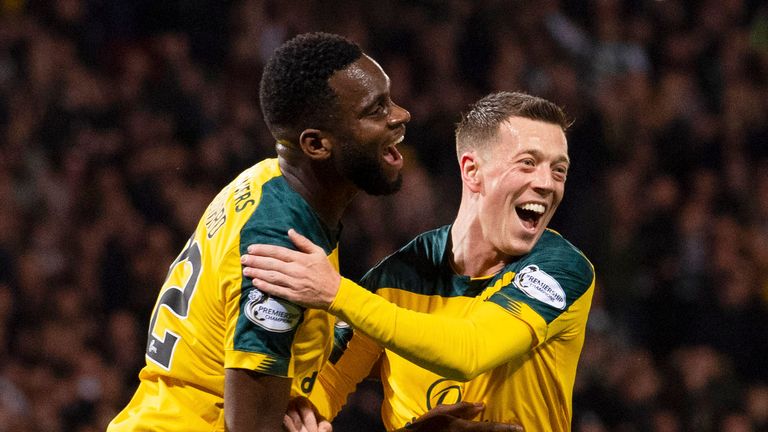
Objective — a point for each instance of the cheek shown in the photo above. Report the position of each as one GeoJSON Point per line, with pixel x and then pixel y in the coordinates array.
{"type": "Point", "coordinates": [498, 215]}
{"type": "Point", "coordinates": [370, 132]}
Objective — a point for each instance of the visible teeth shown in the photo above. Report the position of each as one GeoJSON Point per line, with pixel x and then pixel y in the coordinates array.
{"type": "Point", "coordinates": [399, 140]}
{"type": "Point", "coordinates": [536, 208]}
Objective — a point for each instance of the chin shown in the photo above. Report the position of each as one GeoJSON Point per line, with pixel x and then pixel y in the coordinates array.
{"type": "Point", "coordinates": [518, 249]}
{"type": "Point", "coordinates": [383, 187]}
{"type": "Point", "coordinates": [524, 246]}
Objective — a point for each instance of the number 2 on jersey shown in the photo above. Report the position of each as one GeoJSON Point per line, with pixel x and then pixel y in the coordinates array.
{"type": "Point", "coordinates": [176, 299]}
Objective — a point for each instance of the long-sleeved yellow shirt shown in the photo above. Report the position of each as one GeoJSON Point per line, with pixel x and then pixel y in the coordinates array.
{"type": "Point", "coordinates": [511, 340]}
{"type": "Point", "coordinates": [208, 318]}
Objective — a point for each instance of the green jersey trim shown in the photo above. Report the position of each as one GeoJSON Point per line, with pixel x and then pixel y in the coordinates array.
{"type": "Point", "coordinates": [279, 209]}
{"type": "Point", "coordinates": [422, 267]}
{"type": "Point", "coordinates": [548, 279]}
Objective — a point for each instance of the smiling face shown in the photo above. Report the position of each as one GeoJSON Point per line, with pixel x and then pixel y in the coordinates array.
{"type": "Point", "coordinates": [522, 183]}
{"type": "Point", "coordinates": [369, 126]}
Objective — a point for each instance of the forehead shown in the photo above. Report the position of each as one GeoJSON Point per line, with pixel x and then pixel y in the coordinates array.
{"type": "Point", "coordinates": [359, 84]}
{"type": "Point", "coordinates": [520, 134]}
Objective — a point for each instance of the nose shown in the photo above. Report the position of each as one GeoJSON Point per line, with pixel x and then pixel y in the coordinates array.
{"type": "Point", "coordinates": [398, 115]}
{"type": "Point", "coordinates": [543, 182]}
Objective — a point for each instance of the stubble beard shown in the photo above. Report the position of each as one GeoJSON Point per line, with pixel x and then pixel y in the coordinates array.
{"type": "Point", "coordinates": [365, 170]}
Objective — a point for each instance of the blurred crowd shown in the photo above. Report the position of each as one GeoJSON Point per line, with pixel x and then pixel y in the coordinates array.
{"type": "Point", "coordinates": [120, 120]}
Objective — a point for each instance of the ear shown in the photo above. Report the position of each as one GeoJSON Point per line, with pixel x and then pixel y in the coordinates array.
{"type": "Point", "coordinates": [469, 164]}
{"type": "Point", "coordinates": [315, 144]}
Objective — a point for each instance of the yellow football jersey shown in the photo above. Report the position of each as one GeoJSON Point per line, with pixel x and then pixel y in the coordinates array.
{"type": "Point", "coordinates": [208, 317]}
{"type": "Point", "coordinates": [550, 290]}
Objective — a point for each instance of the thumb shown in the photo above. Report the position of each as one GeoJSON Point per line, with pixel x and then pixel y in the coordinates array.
{"type": "Point", "coordinates": [302, 243]}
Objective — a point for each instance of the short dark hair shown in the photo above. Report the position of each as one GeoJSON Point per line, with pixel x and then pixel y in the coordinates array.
{"type": "Point", "coordinates": [294, 91]}
{"type": "Point", "coordinates": [480, 124]}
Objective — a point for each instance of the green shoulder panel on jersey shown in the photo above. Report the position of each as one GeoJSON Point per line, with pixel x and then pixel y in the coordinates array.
{"type": "Point", "coordinates": [279, 209]}
{"type": "Point", "coordinates": [422, 267]}
{"type": "Point", "coordinates": [549, 279]}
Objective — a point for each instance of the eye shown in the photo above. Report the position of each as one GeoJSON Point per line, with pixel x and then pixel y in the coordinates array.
{"type": "Point", "coordinates": [561, 172]}
{"type": "Point", "coordinates": [381, 108]}
{"type": "Point", "coordinates": [529, 162]}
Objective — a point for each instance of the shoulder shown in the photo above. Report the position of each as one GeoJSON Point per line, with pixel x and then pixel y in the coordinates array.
{"type": "Point", "coordinates": [277, 207]}
{"type": "Point", "coordinates": [558, 255]}
{"type": "Point", "coordinates": [549, 279]}
{"type": "Point", "coordinates": [231, 208]}
{"type": "Point", "coordinates": [419, 259]}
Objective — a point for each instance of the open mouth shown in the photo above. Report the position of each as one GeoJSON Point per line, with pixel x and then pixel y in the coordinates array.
{"type": "Point", "coordinates": [530, 214]}
{"type": "Point", "coordinates": [391, 155]}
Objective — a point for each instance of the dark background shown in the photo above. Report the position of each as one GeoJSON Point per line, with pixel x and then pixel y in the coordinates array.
{"type": "Point", "coordinates": [120, 120]}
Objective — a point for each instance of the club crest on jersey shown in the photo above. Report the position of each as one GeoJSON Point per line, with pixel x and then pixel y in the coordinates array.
{"type": "Point", "coordinates": [537, 284]}
{"type": "Point", "coordinates": [275, 315]}
{"type": "Point", "coordinates": [443, 391]}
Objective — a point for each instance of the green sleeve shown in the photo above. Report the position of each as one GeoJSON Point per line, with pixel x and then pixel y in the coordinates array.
{"type": "Point", "coordinates": [456, 348]}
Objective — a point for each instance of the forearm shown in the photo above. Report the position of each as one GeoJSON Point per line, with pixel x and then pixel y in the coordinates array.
{"type": "Point", "coordinates": [456, 348]}
{"type": "Point", "coordinates": [328, 399]}
{"type": "Point", "coordinates": [254, 402]}
{"type": "Point", "coordinates": [337, 381]}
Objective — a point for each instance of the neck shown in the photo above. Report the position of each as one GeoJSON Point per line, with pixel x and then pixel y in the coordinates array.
{"type": "Point", "coordinates": [318, 183]}
{"type": "Point", "coordinates": [472, 254]}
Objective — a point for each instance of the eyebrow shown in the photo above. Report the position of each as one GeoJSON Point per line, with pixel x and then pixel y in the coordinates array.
{"type": "Point", "coordinates": [368, 104]}
{"type": "Point", "coordinates": [539, 154]}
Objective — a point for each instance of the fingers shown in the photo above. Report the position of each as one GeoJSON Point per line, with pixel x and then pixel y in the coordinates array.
{"type": "Point", "coordinates": [301, 415]}
{"type": "Point", "coordinates": [303, 244]}
{"type": "Point", "coordinates": [466, 410]}
{"type": "Point", "coordinates": [275, 290]}
{"type": "Point", "coordinates": [503, 427]}
{"type": "Point", "coordinates": [463, 409]}
{"type": "Point", "coordinates": [492, 427]}
{"type": "Point", "coordinates": [461, 425]}
{"type": "Point", "coordinates": [273, 251]}
{"type": "Point", "coordinates": [458, 418]}
{"type": "Point", "coordinates": [308, 417]}
{"type": "Point", "coordinates": [289, 425]}
{"type": "Point", "coordinates": [279, 258]}
{"type": "Point", "coordinates": [272, 277]}
{"type": "Point", "coordinates": [258, 266]}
